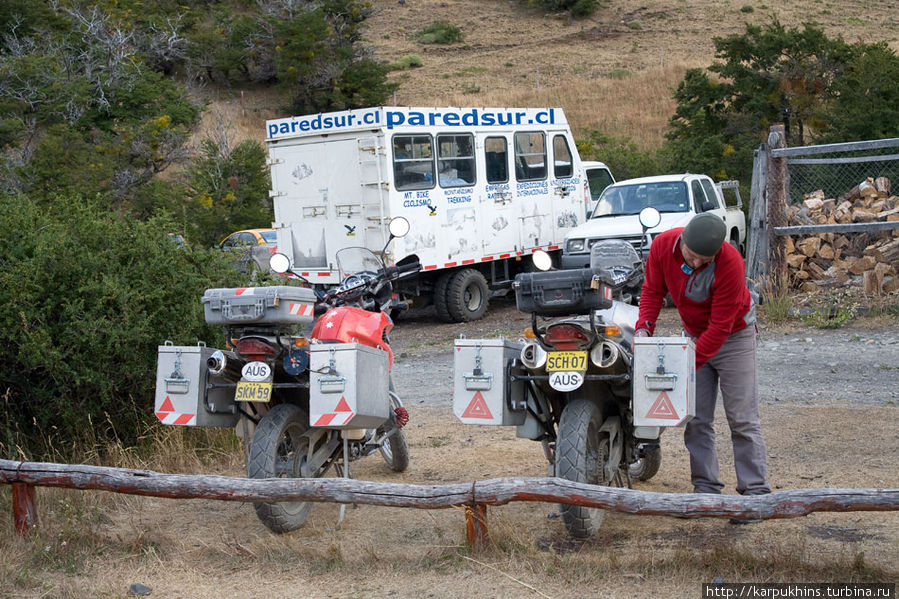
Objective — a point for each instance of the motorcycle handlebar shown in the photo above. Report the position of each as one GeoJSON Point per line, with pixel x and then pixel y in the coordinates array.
{"type": "Point", "coordinates": [398, 270]}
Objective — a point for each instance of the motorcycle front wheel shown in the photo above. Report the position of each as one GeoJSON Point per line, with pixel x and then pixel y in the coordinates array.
{"type": "Point", "coordinates": [395, 449]}
{"type": "Point", "coordinates": [647, 465]}
{"type": "Point", "coordinates": [278, 450]}
{"type": "Point", "coordinates": [581, 456]}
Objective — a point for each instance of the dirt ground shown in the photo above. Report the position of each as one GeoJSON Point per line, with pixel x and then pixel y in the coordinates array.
{"type": "Point", "coordinates": [829, 405]}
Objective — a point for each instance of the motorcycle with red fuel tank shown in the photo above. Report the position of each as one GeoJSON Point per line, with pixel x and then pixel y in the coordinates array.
{"type": "Point", "coordinates": [310, 400]}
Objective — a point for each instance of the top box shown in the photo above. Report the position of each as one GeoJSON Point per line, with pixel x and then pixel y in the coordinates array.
{"type": "Point", "coordinates": [259, 305]}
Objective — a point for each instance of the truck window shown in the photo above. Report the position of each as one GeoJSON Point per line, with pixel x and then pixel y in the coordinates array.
{"type": "Point", "coordinates": [598, 179]}
{"type": "Point", "coordinates": [413, 162]}
{"type": "Point", "coordinates": [530, 156]}
{"type": "Point", "coordinates": [665, 196]}
{"type": "Point", "coordinates": [562, 168]}
{"type": "Point", "coordinates": [455, 160]}
{"type": "Point", "coordinates": [710, 195]}
{"type": "Point", "coordinates": [496, 159]}
{"type": "Point", "coordinates": [699, 201]}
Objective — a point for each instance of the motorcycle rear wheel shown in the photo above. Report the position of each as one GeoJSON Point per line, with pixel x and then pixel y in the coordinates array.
{"type": "Point", "coordinates": [582, 453]}
{"type": "Point", "coordinates": [278, 450]}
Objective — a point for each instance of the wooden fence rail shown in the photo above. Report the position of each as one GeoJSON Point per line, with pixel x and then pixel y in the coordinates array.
{"type": "Point", "coordinates": [474, 496]}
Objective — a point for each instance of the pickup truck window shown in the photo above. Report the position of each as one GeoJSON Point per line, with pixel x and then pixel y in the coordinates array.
{"type": "Point", "coordinates": [561, 158]}
{"type": "Point", "coordinates": [710, 194]}
{"type": "Point", "coordinates": [455, 160]}
{"type": "Point", "coordinates": [618, 200]}
{"type": "Point", "coordinates": [413, 162]}
{"type": "Point", "coordinates": [598, 179]}
{"type": "Point", "coordinates": [530, 156]}
{"type": "Point", "coordinates": [496, 159]}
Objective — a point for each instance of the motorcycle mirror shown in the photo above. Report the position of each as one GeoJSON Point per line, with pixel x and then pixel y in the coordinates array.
{"type": "Point", "coordinates": [650, 217]}
{"type": "Point", "coordinates": [398, 227]}
{"type": "Point", "coordinates": [542, 260]}
{"type": "Point", "coordinates": [279, 263]}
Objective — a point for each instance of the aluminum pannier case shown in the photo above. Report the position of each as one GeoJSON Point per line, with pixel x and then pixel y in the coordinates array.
{"type": "Point", "coordinates": [664, 381]}
{"type": "Point", "coordinates": [482, 391]}
{"type": "Point", "coordinates": [560, 292]}
{"type": "Point", "coordinates": [348, 386]}
{"type": "Point", "coordinates": [259, 305]}
{"type": "Point", "coordinates": [186, 394]}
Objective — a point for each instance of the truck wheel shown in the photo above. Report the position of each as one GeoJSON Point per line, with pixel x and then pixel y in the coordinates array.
{"type": "Point", "coordinates": [440, 298]}
{"type": "Point", "coordinates": [581, 456]}
{"type": "Point", "coordinates": [466, 295]}
{"type": "Point", "coordinates": [278, 450]}
{"type": "Point", "coordinates": [647, 465]}
{"type": "Point", "coordinates": [735, 242]}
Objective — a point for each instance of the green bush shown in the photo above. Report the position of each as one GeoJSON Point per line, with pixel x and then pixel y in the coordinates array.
{"type": "Point", "coordinates": [578, 8]}
{"type": "Point", "coordinates": [623, 157]}
{"type": "Point", "coordinates": [440, 32]}
{"type": "Point", "coordinates": [85, 298]}
{"type": "Point", "coordinates": [409, 61]}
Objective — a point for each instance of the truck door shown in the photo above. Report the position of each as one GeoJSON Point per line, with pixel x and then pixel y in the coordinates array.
{"type": "Point", "coordinates": [317, 197]}
{"type": "Point", "coordinates": [498, 214]}
{"type": "Point", "coordinates": [568, 209]}
{"type": "Point", "coordinates": [532, 193]}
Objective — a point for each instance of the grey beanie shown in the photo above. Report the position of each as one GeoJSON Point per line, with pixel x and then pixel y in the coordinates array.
{"type": "Point", "coordinates": [704, 234]}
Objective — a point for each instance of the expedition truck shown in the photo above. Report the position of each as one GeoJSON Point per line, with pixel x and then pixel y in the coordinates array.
{"type": "Point", "coordinates": [677, 197]}
{"type": "Point", "coordinates": [483, 188]}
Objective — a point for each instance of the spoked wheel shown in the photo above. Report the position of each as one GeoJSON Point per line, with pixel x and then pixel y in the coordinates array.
{"type": "Point", "coordinates": [279, 449]}
{"type": "Point", "coordinates": [647, 465]}
{"type": "Point", "coordinates": [581, 456]}
{"type": "Point", "coordinates": [395, 449]}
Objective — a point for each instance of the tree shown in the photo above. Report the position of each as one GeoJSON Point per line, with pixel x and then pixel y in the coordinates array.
{"type": "Point", "coordinates": [766, 75]}
{"type": "Point", "coordinates": [865, 99]}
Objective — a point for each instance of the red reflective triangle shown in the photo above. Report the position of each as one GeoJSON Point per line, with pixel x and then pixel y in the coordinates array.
{"type": "Point", "coordinates": [663, 408]}
{"type": "Point", "coordinates": [342, 406]}
{"type": "Point", "coordinates": [167, 405]}
{"type": "Point", "coordinates": [477, 408]}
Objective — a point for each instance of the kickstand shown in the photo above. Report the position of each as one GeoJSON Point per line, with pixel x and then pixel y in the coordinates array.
{"type": "Point", "coordinates": [346, 474]}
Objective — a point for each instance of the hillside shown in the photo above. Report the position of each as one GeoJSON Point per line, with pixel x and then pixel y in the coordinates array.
{"type": "Point", "coordinates": [614, 71]}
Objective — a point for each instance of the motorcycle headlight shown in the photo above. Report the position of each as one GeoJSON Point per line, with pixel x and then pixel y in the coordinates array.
{"type": "Point", "coordinates": [575, 246]}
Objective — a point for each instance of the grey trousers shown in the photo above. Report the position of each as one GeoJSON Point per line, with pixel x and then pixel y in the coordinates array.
{"type": "Point", "coordinates": [734, 367]}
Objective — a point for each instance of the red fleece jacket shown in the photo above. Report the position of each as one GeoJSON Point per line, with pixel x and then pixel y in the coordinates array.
{"type": "Point", "coordinates": [710, 319]}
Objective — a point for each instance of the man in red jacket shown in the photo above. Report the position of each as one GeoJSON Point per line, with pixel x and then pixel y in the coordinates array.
{"type": "Point", "coordinates": [706, 280]}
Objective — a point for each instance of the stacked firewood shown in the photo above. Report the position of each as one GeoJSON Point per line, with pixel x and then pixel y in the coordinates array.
{"type": "Point", "coordinates": [865, 260]}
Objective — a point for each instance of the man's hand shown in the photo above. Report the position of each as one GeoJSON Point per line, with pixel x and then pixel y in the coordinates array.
{"type": "Point", "coordinates": [642, 333]}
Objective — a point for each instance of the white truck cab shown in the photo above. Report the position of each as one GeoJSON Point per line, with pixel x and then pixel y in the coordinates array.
{"type": "Point", "coordinates": [598, 177]}
{"type": "Point", "coordinates": [677, 197]}
{"type": "Point", "coordinates": [483, 188]}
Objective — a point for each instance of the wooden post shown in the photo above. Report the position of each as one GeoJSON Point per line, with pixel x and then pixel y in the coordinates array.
{"type": "Point", "coordinates": [776, 193]}
{"type": "Point", "coordinates": [23, 508]}
{"type": "Point", "coordinates": [757, 228]}
{"type": "Point", "coordinates": [476, 526]}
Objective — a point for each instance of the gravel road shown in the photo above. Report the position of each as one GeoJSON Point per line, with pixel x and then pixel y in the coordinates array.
{"type": "Point", "coordinates": [856, 364]}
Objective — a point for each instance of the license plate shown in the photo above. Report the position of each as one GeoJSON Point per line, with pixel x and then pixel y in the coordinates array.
{"type": "Point", "coordinates": [566, 361]}
{"type": "Point", "coordinates": [253, 391]}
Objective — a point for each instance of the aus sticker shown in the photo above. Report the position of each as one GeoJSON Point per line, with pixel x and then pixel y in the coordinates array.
{"type": "Point", "coordinates": [566, 381]}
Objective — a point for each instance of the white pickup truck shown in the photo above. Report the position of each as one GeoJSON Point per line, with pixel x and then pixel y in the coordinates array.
{"type": "Point", "coordinates": [677, 197]}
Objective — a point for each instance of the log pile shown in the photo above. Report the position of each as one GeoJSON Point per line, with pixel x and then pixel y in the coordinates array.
{"type": "Point", "coordinates": [868, 261]}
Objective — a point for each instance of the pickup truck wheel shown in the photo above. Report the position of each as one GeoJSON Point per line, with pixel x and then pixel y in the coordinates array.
{"type": "Point", "coordinates": [440, 297]}
{"type": "Point", "coordinates": [278, 450]}
{"type": "Point", "coordinates": [735, 242]}
{"type": "Point", "coordinates": [466, 295]}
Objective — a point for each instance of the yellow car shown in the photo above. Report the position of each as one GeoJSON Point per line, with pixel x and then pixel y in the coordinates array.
{"type": "Point", "coordinates": [249, 237]}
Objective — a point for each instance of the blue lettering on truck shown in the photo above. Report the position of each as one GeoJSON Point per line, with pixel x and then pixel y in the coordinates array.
{"type": "Point", "coordinates": [473, 117]}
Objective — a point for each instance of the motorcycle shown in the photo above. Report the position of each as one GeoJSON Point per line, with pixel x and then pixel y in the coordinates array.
{"type": "Point", "coordinates": [297, 395]}
{"type": "Point", "coordinates": [571, 384]}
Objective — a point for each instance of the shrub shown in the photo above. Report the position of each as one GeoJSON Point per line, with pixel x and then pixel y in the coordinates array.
{"type": "Point", "coordinates": [635, 25]}
{"type": "Point", "coordinates": [409, 61]}
{"type": "Point", "coordinates": [85, 298]}
{"type": "Point", "coordinates": [578, 8]}
{"type": "Point", "coordinates": [440, 32]}
{"type": "Point", "coordinates": [747, 8]}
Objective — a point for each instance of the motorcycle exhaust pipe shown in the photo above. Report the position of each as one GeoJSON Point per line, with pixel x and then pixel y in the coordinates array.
{"type": "Point", "coordinates": [533, 357]}
{"type": "Point", "coordinates": [608, 357]}
{"type": "Point", "coordinates": [219, 365]}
